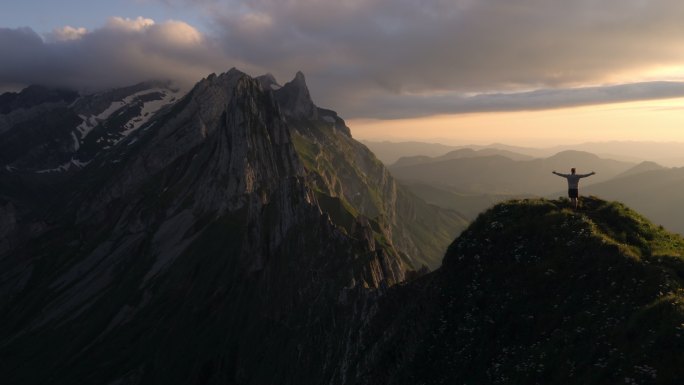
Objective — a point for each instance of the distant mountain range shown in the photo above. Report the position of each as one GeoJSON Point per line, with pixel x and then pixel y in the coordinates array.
{"type": "Point", "coordinates": [470, 181]}
{"type": "Point", "coordinates": [665, 153]}
{"type": "Point", "coordinates": [498, 174]}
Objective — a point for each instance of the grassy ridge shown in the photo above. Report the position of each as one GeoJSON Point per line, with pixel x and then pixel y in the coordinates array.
{"type": "Point", "coordinates": [535, 292]}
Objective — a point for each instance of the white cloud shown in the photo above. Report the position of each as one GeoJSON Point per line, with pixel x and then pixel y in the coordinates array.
{"type": "Point", "coordinates": [67, 33]}
{"type": "Point", "coordinates": [125, 24]}
{"type": "Point", "coordinates": [176, 33]}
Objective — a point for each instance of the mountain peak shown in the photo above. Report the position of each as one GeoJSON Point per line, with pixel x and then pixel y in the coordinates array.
{"type": "Point", "coordinates": [295, 100]}
{"type": "Point", "coordinates": [299, 78]}
{"type": "Point", "coordinates": [574, 154]}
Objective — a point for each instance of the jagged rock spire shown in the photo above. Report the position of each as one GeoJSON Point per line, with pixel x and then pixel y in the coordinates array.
{"type": "Point", "coordinates": [295, 100]}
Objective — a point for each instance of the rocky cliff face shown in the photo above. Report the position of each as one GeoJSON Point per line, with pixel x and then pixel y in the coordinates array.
{"type": "Point", "coordinates": [194, 252]}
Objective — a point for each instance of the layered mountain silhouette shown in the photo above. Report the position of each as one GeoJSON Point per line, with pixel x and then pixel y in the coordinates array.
{"type": "Point", "coordinates": [459, 154]}
{"type": "Point", "coordinates": [666, 153]}
{"type": "Point", "coordinates": [499, 174]}
{"type": "Point", "coordinates": [472, 180]}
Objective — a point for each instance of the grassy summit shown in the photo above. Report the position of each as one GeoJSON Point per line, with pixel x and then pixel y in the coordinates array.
{"type": "Point", "coordinates": [535, 292]}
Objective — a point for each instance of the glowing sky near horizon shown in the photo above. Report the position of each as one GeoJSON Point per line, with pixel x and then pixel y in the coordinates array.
{"type": "Point", "coordinates": [515, 71]}
{"type": "Point", "coordinates": [660, 121]}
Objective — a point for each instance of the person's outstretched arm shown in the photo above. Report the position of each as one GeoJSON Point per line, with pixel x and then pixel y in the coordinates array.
{"type": "Point", "coordinates": [559, 174]}
{"type": "Point", "coordinates": [586, 175]}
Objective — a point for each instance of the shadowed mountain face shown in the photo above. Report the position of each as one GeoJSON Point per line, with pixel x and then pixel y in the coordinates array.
{"type": "Point", "coordinates": [206, 247]}
{"type": "Point", "coordinates": [533, 292]}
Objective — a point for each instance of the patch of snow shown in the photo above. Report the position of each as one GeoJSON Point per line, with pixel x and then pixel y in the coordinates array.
{"type": "Point", "coordinates": [149, 109]}
{"type": "Point", "coordinates": [77, 144]}
{"type": "Point", "coordinates": [61, 168]}
{"type": "Point", "coordinates": [115, 106]}
{"type": "Point", "coordinates": [79, 163]}
{"type": "Point", "coordinates": [275, 86]}
{"type": "Point", "coordinates": [86, 126]}
{"type": "Point", "coordinates": [329, 119]}
{"type": "Point", "coordinates": [133, 141]}
{"type": "Point", "coordinates": [65, 167]}
{"type": "Point", "coordinates": [74, 102]}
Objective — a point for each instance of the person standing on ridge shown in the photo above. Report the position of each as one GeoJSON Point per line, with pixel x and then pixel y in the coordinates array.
{"type": "Point", "coordinates": [573, 184]}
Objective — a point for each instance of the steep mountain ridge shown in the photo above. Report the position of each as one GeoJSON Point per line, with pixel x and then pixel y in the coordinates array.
{"type": "Point", "coordinates": [187, 253]}
{"type": "Point", "coordinates": [352, 182]}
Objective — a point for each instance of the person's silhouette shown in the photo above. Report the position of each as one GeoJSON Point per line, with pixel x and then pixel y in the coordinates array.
{"type": "Point", "coordinates": [573, 184]}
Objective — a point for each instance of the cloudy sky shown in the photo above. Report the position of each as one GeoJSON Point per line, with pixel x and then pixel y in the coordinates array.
{"type": "Point", "coordinates": [459, 71]}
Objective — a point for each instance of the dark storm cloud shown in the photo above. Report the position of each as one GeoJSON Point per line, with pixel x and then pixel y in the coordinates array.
{"type": "Point", "coordinates": [359, 53]}
{"type": "Point", "coordinates": [385, 58]}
